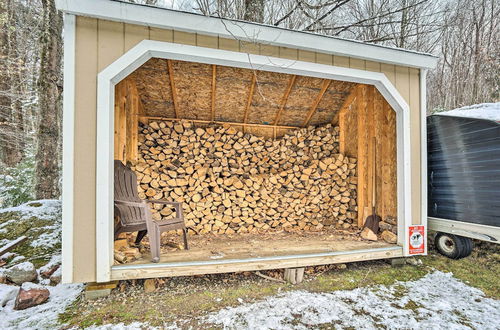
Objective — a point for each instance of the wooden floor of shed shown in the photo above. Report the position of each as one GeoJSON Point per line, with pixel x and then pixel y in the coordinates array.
{"type": "Point", "coordinates": [250, 246]}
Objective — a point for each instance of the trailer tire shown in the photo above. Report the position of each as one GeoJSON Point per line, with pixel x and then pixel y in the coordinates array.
{"type": "Point", "coordinates": [453, 246]}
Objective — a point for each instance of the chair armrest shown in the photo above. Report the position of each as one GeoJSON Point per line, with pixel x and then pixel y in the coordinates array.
{"type": "Point", "coordinates": [127, 203]}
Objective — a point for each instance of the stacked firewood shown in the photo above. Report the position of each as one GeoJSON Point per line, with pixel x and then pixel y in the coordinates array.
{"type": "Point", "coordinates": [231, 182]}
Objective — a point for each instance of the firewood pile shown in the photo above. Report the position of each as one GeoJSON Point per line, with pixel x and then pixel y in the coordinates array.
{"type": "Point", "coordinates": [232, 182]}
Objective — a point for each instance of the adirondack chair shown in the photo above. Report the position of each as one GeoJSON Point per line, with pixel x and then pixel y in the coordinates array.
{"type": "Point", "coordinates": [134, 213]}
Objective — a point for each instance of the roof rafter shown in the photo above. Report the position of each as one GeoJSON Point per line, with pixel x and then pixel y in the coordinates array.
{"type": "Point", "coordinates": [291, 83]}
{"type": "Point", "coordinates": [314, 106]}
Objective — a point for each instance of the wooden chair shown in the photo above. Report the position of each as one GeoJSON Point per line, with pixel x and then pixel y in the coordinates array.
{"type": "Point", "coordinates": [134, 214]}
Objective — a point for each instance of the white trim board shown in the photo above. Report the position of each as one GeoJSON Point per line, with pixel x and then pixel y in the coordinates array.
{"type": "Point", "coordinates": [245, 31]}
{"type": "Point", "coordinates": [147, 49]}
{"type": "Point", "coordinates": [68, 147]}
{"type": "Point", "coordinates": [423, 150]}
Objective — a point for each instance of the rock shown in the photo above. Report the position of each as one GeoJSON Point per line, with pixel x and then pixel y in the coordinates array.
{"type": "Point", "coordinates": [55, 278]}
{"type": "Point", "coordinates": [23, 272]}
{"type": "Point", "coordinates": [27, 298]}
{"type": "Point", "coordinates": [149, 285]}
{"type": "Point", "coordinates": [414, 262]}
{"type": "Point", "coordinates": [48, 273]}
{"type": "Point", "coordinates": [368, 234]}
{"type": "Point", "coordinates": [389, 237]}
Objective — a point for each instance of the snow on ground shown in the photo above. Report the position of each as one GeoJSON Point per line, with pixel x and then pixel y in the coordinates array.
{"type": "Point", "coordinates": [43, 316]}
{"type": "Point", "coordinates": [489, 111]}
{"type": "Point", "coordinates": [436, 301]}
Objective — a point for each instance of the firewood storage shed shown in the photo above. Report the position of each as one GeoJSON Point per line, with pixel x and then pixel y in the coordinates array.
{"type": "Point", "coordinates": [274, 140]}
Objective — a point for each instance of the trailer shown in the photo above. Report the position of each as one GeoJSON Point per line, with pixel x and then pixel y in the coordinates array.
{"type": "Point", "coordinates": [463, 182]}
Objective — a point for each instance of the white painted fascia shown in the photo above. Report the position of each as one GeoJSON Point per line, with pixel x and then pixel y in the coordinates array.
{"type": "Point", "coordinates": [147, 49]}
{"type": "Point", "coordinates": [245, 31]}
{"type": "Point", "coordinates": [68, 148]}
{"type": "Point", "coordinates": [423, 150]}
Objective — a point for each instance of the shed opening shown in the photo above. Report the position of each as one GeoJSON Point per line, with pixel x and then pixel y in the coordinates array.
{"type": "Point", "coordinates": [266, 164]}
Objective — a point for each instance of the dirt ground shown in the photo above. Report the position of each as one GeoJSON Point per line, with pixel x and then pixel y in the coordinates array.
{"type": "Point", "coordinates": [190, 298]}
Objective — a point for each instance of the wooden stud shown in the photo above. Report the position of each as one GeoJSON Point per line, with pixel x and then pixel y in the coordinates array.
{"type": "Point", "coordinates": [362, 153]}
{"type": "Point", "coordinates": [250, 96]}
{"type": "Point", "coordinates": [369, 119]}
{"type": "Point", "coordinates": [347, 103]}
{"type": "Point", "coordinates": [172, 87]}
{"type": "Point", "coordinates": [291, 82]}
{"type": "Point", "coordinates": [314, 106]}
{"type": "Point", "coordinates": [214, 80]}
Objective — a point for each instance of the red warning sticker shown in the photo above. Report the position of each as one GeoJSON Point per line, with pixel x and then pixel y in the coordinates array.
{"type": "Point", "coordinates": [417, 239]}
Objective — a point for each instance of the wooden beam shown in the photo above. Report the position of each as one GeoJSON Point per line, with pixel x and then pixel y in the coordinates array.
{"type": "Point", "coordinates": [12, 244]}
{"type": "Point", "coordinates": [250, 96]}
{"type": "Point", "coordinates": [348, 101]}
{"type": "Point", "coordinates": [314, 106]}
{"type": "Point", "coordinates": [291, 82]}
{"type": "Point", "coordinates": [172, 87]}
{"type": "Point", "coordinates": [362, 154]}
{"type": "Point", "coordinates": [217, 122]}
{"type": "Point", "coordinates": [214, 81]}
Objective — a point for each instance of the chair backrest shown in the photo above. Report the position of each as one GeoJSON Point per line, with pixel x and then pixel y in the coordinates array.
{"type": "Point", "coordinates": [126, 190]}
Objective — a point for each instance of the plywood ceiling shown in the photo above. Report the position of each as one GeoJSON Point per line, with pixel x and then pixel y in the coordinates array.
{"type": "Point", "coordinates": [178, 89]}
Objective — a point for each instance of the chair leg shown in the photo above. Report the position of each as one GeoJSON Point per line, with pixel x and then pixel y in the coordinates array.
{"type": "Point", "coordinates": [118, 231]}
{"type": "Point", "coordinates": [155, 248]}
{"type": "Point", "coordinates": [184, 233]}
{"type": "Point", "coordinates": [140, 236]}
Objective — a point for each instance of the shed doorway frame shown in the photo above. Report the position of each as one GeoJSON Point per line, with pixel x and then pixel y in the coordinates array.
{"type": "Point", "coordinates": [146, 49]}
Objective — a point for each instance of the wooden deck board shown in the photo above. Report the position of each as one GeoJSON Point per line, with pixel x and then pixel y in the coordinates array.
{"type": "Point", "coordinates": [219, 254]}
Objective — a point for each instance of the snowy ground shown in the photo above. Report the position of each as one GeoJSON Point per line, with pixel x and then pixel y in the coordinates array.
{"type": "Point", "coordinates": [489, 111]}
{"type": "Point", "coordinates": [42, 223]}
{"type": "Point", "coordinates": [437, 301]}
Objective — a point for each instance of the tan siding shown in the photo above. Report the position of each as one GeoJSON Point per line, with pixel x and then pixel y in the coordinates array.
{"type": "Point", "coordinates": [109, 42]}
{"type": "Point", "coordinates": [341, 61]}
{"type": "Point", "coordinates": [355, 63]}
{"type": "Point", "coordinates": [306, 56]}
{"type": "Point", "coordinates": [372, 66]}
{"type": "Point", "coordinates": [207, 41]}
{"type": "Point", "coordinates": [185, 38]}
{"type": "Point", "coordinates": [289, 53]}
{"type": "Point", "coordinates": [97, 46]}
{"type": "Point", "coordinates": [249, 47]}
{"type": "Point", "coordinates": [389, 71]}
{"type": "Point", "coordinates": [324, 58]}
{"type": "Point", "coordinates": [229, 44]}
{"type": "Point", "coordinates": [268, 50]}
{"type": "Point", "coordinates": [134, 34]}
{"type": "Point", "coordinates": [84, 150]}
{"type": "Point", "coordinates": [161, 35]}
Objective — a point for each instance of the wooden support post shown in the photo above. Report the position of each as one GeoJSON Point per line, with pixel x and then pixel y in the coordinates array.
{"type": "Point", "coordinates": [370, 99]}
{"type": "Point", "coordinates": [172, 87]}
{"type": "Point", "coordinates": [291, 82]}
{"type": "Point", "coordinates": [250, 96]}
{"type": "Point", "coordinates": [362, 154]}
{"type": "Point", "coordinates": [214, 81]}
{"type": "Point", "coordinates": [294, 275]}
{"type": "Point", "coordinates": [314, 106]}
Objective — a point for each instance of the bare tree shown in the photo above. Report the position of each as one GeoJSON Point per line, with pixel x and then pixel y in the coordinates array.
{"type": "Point", "coordinates": [49, 90]}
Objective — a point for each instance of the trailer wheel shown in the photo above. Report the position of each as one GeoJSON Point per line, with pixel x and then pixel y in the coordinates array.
{"type": "Point", "coordinates": [453, 246]}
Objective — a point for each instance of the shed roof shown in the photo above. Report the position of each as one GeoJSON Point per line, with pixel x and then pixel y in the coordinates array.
{"type": "Point", "coordinates": [116, 10]}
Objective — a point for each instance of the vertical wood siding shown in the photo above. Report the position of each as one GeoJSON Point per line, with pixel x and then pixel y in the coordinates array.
{"type": "Point", "coordinates": [99, 42]}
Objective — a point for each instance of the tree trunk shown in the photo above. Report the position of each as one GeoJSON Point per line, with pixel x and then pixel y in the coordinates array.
{"type": "Point", "coordinates": [11, 117]}
{"type": "Point", "coordinates": [49, 91]}
{"type": "Point", "coordinates": [254, 11]}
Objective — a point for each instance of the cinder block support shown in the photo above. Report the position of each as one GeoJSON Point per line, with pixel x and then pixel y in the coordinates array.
{"type": "Point", "coordinates": [294, 275]}
{"type": "Point", "coordinates": [398, 262]}
{"type": "Point", "coordinates": [99, 290]}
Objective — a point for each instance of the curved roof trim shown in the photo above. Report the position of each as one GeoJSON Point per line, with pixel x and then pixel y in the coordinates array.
{"type": "Point", "coordinates": [246, 31]}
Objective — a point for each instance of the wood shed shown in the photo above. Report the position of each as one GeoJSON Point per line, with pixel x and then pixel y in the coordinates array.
{"type": "Point", "coordinates": [276, 142]}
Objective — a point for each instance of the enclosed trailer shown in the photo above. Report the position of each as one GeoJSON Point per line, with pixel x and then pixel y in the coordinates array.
{"type": "Point", "coordinates": [129, 65]}
{"type": "Point", "coordinates": [464, 182]}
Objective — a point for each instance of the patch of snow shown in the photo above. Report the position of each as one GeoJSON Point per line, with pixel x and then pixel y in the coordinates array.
{"type": "Point", "coordinates": [489, 111]}
{"type": "Point", "coordinates": [122, 326]}
{"type": "Point", "coordinates": [45, 211]}
{"type": "Point", "coordinates": [7, 293]}
{"type": "Point", "coordinates": [54, 260]}
{"type": "Point", "coordinates": [27, 266]}
{"type": "Point", "coordinates": [436, 301]}
{"type": "Point", "coordinates": [43, 316]}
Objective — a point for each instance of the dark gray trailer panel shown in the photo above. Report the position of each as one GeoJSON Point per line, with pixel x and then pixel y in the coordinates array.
{"type": "Point", "coordinates": [464, 169]}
